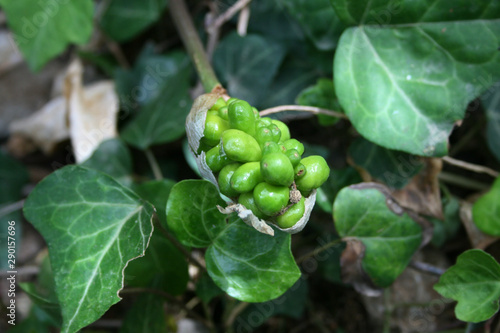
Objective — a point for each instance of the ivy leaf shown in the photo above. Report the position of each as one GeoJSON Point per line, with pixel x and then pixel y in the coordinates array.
{"type": "Point", "coordinates": [247, 65]}
{"type": "Point", "coordinates": [156, 192]}
{"type": "Point", "coordinates": [474, 281]}
{"type": "Point", "coordinates": [123, 19]}
{"type": "Point", "coordinates": [146, 315]}
{"type": "Point", "coordinates": [319, 21]}
{"type": "Point", "coordinates": [491, 102]}
{"type": "Point", "coordinates": [112, 157]}
{"type": "Point", "coordinates": [339, 178]}
{"type": "Point", "coordinates": [162, 120]}
{"type": "Point", "coordinates": [486, 211]}
{"type": "Point", "coordinates": [192, 213]}
{"type": "Point", "coordinates": [246, 264]}
{"type": "Point", "coordinates": [93, 227]}
{"type": "Point", "coordinates": [206, 289]}
{"type": "Point", "coordinates": [404, 86]}
{"type": "Point", "coordinates": [44, 29]}
{"type": "Point", "coordinates": [392, 167]}
{"type": "Point", "coordinates": [390, 239]}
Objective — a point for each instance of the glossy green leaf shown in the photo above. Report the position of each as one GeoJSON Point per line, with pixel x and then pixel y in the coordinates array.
{"type": "Point", "coordinates": [486, 211]}
{"type": "Point", "coordinates": [474, 281]}
{"type": "Point", "coordinates": [339, 178]}
{"type": "Point", "coordinates": [113, 158]}
{"type": "Point", "coordinates": [319, 21]}
{"type": "Point", "coordinates": [491, 103]}
{"type": "Point", "coordinates": [48, 305]}
{"type": "Point", "coordinates": [161, 120]}
{"type": "Point", "coordinates": [163, 267]}
{"type": "Point", "coordinates": [404, 87]}
{"type": "Point", "coordinates": [246, 264]}
{"type": "Point", "coordinates": [247, 65]}
{"type": "Point", "coordinates": [290, 304]}
{"type": "Point", "coordinates": [142, 84]}
{"type": "Point", "coordinates": [123, 19]}
{"type": "Point", "coordinates": [383, 12]}
{"type": "Point", "coordinates": [192, 214]}
{"type": "Point", "coordinates": [390, 239]}
{"type": "Point", "coordinates": [392, 167]}
{"type": "Point", "coordinates": [44, 29]}
{"type": "Point", "coordinates": [321, 95]}
{"type": "Point", "coordinates": [156, 192]}
{"type": "Point", "coordinates": [93, 227]}
{"type": "Point", "coordinates": [146, 315]}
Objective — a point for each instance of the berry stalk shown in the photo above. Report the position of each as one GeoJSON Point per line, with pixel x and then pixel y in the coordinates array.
{"type": "Point", "coordinates": [187, 31]}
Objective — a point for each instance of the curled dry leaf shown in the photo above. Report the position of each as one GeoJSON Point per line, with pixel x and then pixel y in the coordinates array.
{"type": "Point", "coordinates": [92, 112]}
{"type": "Point", "coordinates": [195, 125]}
{"type": "Point", "coordinates": [86, 115]}
{"type": "Point", "coordinates": [422, 194]}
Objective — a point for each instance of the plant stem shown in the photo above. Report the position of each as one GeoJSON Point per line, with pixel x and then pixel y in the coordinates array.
{"type": "Point", "coordinates": [176, 243]}
{"type": "Point", "coordinates": [470, 166]}
{"type": "Point", "coordinates": [427, 268]}
{"type": "Point", "coordinates": [154, 164]}
{"type": "Point", "coordinates": [228, 14]}
{"type": "Point", "coordinates": [302, 108]}
{"type": "Point", "coordinates": [462, 181]}
{"type": "Point", "coordinates": [318, 250]}
{"type": "Point", "coordinates": [7, 209]}
{"type": "Point", "coordinates": [192, 42]}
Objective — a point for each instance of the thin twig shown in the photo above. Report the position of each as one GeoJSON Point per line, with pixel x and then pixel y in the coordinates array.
{"type": "Point", "coordinates": [7, 209]}
{"type": "Point", "coordinates": [154, 164]}
{"type": "Point", "coordinates": [427, 268]}
{"type": "Point", "coordinates": [21, 271]}
{"type": "Point", "coordinates": [228, 14]}
{"type": "Point", "coordinates": [178, 245]}
{"type": "Point", "coordinates": [463, 182]}
{"type": "Point", "coordinates": [235, 312]}
{"type": "Point", "coordinates": [243, 21]}
{"type": "Point", "coordinates": [318, 250]}
{"type": "Point", "coordinates": [302, 108]}
{"type": "Point", "coordinates": [470, 166]}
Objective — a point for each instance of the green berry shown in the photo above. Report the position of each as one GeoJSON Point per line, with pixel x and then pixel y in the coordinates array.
{"type": "Point", "coordinates": [285, 132]}
{"type": "Point", "coordinates": [241, 117]}
{"type": "Point", "coordinates": [277, 169]}
{"type": "Point", "coordinates": [271, 199]}
{"type": "Point", "coordinates": [289, 218]}
{"type": "Point", "coordinates": [246, 177]}
{"type": "Point", "coordinates": [214, 127]}
{"type": "Point", "coordinates": [270, 147]}
{"type": "Point", "coordinates": [223, 113]}
{"type": "Point", "coordinates": [294, 144]}
{"type": "Point", "coordinates": [299, 171]}
{"type": "Point", "coordinates": [247, 200]}
{"type": "Point", "coordinates": [294, 156]}
{"type": "Point", "coordinates": [317, 172]}
{"type": "Point", "coordinates": [240, 146]}
{"type": "Point", "coordinates": [218, 104]}
{"type": "Point", "coordinates": [224, 180]}
{"type": "Point", "coordinates": [215, 160]}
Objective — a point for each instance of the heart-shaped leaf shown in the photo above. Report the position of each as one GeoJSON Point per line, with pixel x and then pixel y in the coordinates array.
{"type": "Point", "coordinates": [246, 264]}
{"type": "Point", "coordinates": [486, 211]}
{"type": "Point", "coordinates": [405, 80]}
{"type": "Point", "coordinates": [390, 238]}
{"type": "Point", "coordinates": [44, 29]}
{"type": "Point", "coordinates": [93, 227]}
{"type": "Point", "coordinates": [491, 102]}
{"type": "Point", "coordinates": [474, 281]}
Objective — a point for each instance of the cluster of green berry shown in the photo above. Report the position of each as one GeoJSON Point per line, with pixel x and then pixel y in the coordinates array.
{"type": "Point", "coordinates": [258, 164]}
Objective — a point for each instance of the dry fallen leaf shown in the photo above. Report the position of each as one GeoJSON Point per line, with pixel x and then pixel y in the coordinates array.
{"type": "Point", "coordinates": [92, 112]}
{"type": "Point", "coordinates": [422, 194]}
{"type": "Point", "coordinates": [86, 115]}
{"type": "Point", "coordinates": [9, 53]}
